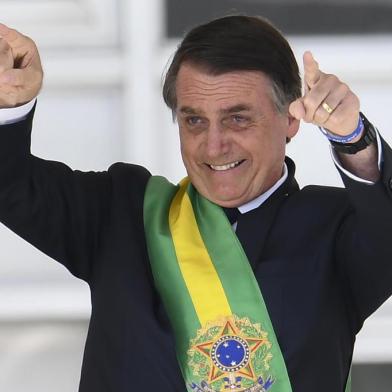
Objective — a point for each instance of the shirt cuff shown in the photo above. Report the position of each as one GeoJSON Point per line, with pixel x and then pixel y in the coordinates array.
{"type": "Point", "coordinates": [14, 115]}
{"type": "Point", "coordinates": [337, 162]}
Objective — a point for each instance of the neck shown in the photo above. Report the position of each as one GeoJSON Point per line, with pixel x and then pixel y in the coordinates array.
{"type": "Point", "coordinates": [259, 200]}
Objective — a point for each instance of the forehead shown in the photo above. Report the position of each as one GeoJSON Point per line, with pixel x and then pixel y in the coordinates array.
{"type": "Point", "coordinates": [197, 88]}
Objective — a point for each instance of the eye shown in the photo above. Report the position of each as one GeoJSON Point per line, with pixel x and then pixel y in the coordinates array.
{"type": "Point", "coordinates": [239, 120]}
{"type": "Point", "coordinates": [196, 122]}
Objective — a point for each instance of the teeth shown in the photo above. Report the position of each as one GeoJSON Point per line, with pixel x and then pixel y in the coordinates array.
{"type": "Point", "coordinates": [225, 167]}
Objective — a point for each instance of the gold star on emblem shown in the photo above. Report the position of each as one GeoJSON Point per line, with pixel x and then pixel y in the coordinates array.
{"type": "Point", "coordinates": [247, 346]}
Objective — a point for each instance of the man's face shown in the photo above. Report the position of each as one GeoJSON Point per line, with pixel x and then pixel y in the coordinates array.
{"type": "Point", "coordinates": [232, 136]}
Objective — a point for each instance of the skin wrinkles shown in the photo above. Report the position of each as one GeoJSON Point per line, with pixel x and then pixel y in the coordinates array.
{"type": "Point", "coordinates": [225, 119]}
{"type": "Point", "coordinates": [211, 88]}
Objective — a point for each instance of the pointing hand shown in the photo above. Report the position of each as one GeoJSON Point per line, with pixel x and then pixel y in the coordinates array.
{"type": "Point", "coordinates": [327, 102]}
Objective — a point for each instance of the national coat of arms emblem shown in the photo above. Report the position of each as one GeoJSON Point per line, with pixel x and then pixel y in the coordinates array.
{"type": "Point", "coordinates": [231, 354]}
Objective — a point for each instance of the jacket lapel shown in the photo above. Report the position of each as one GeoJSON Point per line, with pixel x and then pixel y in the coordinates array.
{"type": "Point", "coordinates": [254, 227]}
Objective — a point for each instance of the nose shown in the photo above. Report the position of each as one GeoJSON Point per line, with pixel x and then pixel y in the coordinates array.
{"type": "Point", "coordinates": [218, 141]}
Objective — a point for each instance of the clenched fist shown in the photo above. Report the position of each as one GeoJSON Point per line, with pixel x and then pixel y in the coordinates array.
{"type": "Point", "coordinates": [20, 68]}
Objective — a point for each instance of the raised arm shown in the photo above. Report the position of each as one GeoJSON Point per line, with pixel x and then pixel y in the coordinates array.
{"type": "Point", "coordinates": [362, 245]}
{"type": "Point", "coordinates": [56, 209]}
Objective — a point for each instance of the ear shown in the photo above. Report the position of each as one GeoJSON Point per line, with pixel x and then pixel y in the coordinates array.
{"type": "Point", "coordinates": [293, 126]}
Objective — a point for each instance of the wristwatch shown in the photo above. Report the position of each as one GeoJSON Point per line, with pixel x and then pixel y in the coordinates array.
{"type": "Point", "coordinates": [367, 138]}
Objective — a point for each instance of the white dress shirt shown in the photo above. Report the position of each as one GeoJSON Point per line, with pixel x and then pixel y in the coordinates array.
{"type": "Point", "coordinates": [13, 115]}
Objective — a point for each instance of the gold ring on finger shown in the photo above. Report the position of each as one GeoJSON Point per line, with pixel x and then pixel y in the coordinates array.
{"type": "Point", "coordinates": [327, 108]}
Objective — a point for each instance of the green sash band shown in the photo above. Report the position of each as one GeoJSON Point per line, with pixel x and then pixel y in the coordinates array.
{"type": "Point", "coordinates": [224, 336]}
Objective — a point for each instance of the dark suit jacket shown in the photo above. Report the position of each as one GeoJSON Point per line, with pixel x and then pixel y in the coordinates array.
{"type": "Point", "coordinates": [323, 265]}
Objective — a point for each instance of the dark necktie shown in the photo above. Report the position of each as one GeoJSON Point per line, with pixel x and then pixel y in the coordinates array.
{"type": "Point", "coordinates": [246, 229]}
{"type": "Point", "coordinates": [250, 225]}
{"type": "Point", "coordinates": [232, 214]}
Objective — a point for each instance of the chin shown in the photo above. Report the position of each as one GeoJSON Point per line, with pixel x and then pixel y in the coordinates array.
{"type": "Point", "coordinates": [223, 195]}
{"type": "Point", "coordinates": [226, 200]}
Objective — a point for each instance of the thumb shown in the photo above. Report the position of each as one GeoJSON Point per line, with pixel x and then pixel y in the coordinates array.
{"type": "Point", "coordinates": [6, 57]}
{"type": "Point", "coordinates": [297, 109]}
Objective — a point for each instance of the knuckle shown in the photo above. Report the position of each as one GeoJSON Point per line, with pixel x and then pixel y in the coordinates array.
{"type": "Point", "coordinates": [333, 77]}
{"type": "Point", "coordinates": [344, 88]}
{"type": "Point", "coordinates": [354, 102]}
{"type": "Point", "coordinates": [308, 101]}
{"type": "Point", "coordinates": [321, 116]}
{"type": "Point", "coordinates": [30, 43]}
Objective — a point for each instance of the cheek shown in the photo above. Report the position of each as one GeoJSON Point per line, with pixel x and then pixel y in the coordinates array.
{"type": "Point", "coordinates": [190, 144]}
{"type": "Point", "coordinates": [276, 138]}
{"type": "Point", "coordinates": [184, 143]}
{"type": "Point", "coordinates": [188, 149]}
{"type": "Point", "coordinates": [266, 150]}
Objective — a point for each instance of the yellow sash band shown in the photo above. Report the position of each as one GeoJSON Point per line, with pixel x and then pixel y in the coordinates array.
{"type": "Point", "coordinates": [209, 304]}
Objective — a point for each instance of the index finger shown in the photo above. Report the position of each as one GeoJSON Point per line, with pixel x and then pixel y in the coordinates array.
{"type": "Point", "coordinates": [23, 48]}
{"type": "Point", "coordinates": [312, 71]}
{"type": "Point", "coordinates": [7, 33]}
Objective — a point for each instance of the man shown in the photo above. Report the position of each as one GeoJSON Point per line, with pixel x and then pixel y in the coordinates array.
{"type": "Point", "coordinates": [178, 303]}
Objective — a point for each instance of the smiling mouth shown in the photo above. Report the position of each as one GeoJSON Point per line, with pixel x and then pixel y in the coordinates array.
{"type": "Point", "coordinates": [225, 167]}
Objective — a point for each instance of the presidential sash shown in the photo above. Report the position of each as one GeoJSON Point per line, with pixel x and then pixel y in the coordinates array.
{"type": "Point", "coordinates": [224, 336]}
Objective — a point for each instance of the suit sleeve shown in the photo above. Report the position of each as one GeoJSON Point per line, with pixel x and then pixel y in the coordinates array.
{"type": "Point", "coordinates": [58, 210]}
{"type": "Point", "coordinates": [365, 241]}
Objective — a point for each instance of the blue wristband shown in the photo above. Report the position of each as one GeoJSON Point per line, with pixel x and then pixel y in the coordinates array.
{"type": "Point", "coordinates": [347, 138]}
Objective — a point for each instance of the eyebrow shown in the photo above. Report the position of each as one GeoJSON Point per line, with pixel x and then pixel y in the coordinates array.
{"type": "Point", "coordinates": [189, 110]}
{"type": "Point", "coordinates": [237, 108]}
{"type": "Point", "coordinates": [232, 109]}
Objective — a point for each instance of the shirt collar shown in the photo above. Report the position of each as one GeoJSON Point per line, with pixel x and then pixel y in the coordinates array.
{"type": "Point", "coordinates": [259, 200]}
